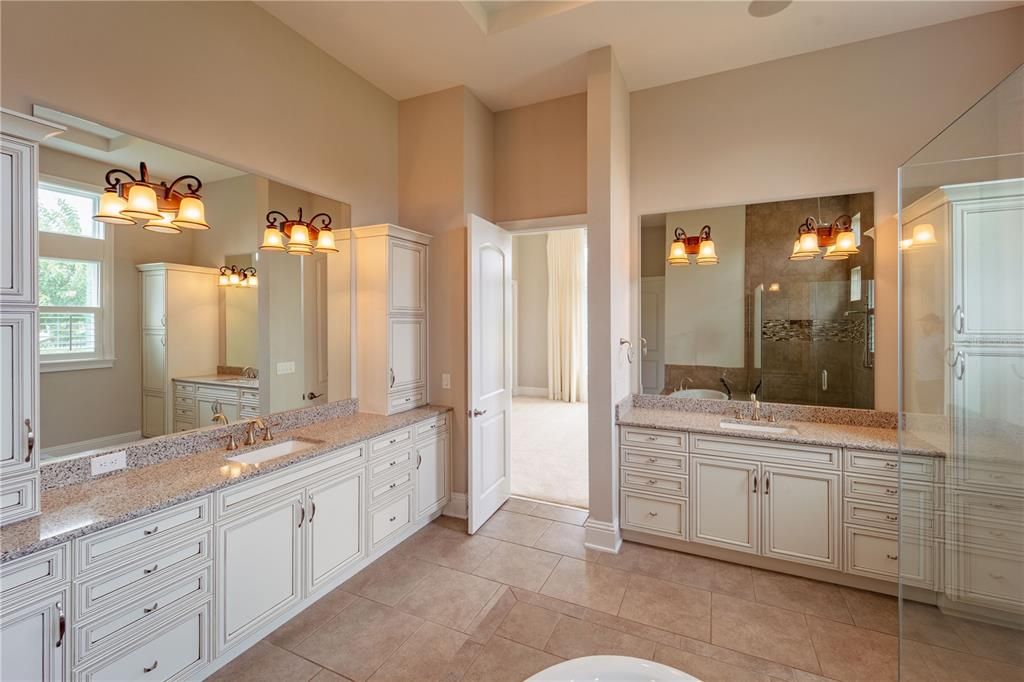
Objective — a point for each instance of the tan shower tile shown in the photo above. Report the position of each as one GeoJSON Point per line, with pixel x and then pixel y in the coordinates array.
{"type": "Point", "coordinates": [991, 641]}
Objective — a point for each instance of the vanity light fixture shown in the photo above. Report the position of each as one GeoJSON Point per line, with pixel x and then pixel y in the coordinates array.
{"type": "Point", "coordinates": [299, 233]}
{"type": "Point", "coordinates": [837, 238]}
{"type": "Point", "coordinates": [684, 246]}
{"type": "Point", "coordinates": [234, 276]}
{"type": "Point", "coordinates": [161, 207]}
{"type": "Point", "coordinates": [923, 235]}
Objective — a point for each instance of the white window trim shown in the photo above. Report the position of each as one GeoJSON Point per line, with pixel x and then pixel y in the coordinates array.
{"type": "Point", "coordinates": [104, 357]}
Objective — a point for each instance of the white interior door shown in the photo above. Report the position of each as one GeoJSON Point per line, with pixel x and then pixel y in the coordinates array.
{"type": "Point", "coordinates": [489, 346]}
{"type": "Point", "coordinates": [652, 330]}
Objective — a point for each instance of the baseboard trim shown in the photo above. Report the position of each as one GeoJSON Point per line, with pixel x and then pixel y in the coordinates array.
{"type": "Point", "coordinates": [602, 536]}
{"type": "Point", "coordinates": [103, 442]}
{"type": "Point", "coordinates": [530, 391]}
{"type": "Point", "coordinates": [458, 506]}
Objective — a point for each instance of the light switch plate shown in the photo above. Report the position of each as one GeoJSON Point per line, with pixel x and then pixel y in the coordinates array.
{"type": "Point", "coordinates": [104, 464]}
{"type": "Point", "coordinates": [446, 380]}
{"type": "Point", "coordinates": [285, 368]}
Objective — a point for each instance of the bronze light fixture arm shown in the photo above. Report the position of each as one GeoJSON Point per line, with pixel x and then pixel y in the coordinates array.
{"type": "Point", "coordinates": [272, 219]}
{"type": "Point", "coordinates": [324, 219]}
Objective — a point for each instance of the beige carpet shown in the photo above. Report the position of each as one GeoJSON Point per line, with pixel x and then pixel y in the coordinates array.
{"type": "Point", "coordinates": [549, 451]}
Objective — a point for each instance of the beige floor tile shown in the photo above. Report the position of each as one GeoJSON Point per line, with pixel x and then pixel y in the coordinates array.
{"type": "Point", "coordinates": [445, 547]}
{"type": "Point", "coordinates": [991, 641]}
{"type": "Point", "coordinates": [289, 635]}
{"type": "Point", "coordinates": [631, 627]}
{"type": "Point", "coordinates": [529, 625]}
{"type": "Point", "coordinates": [587, 584]}
{"type": "Point", "coordinates": [637, 558]}
{"type": "Point", "coordinates": [946, 665]}
{"type": "Point", "coordinates": [358, 643]}
{"type": "Point", "coordinates": [850, 653]}
{"type": "Point", "coordinates": [757, 664]}
{"type": "Point", "coordinates": [761, 630]}
{"type": "Point", "coordinates": [566, 539]}
{"type": "Point", "coordinates": [704, 668]}
{"type": "Point", "coordinates": [669, 606]}
{"type": "Point", "coordinates": [424, 657]}
{"type": "Point", "coordinates": [503, 660]}
{"type": "Point", "coordinates": [549, 603]}
{"type": "Point", "coordinates": [326, 675]}
{"type": "Point", "coordinates": [518, 505]}
{"type": "Point", "coordinates": [556, 513]}
{"type": "Point", "coordinates": [800, 594]}
{"type": "Point", "coordinates": [265, 662]}
{"type": "Point", "coordinates": [388, 579]}
{"type": "Point", "coordinates": [914, 665]}
{"type": "Point", "coordinates": [491, 615]}
{"type": "Point", "coordinates": [518, 566]}
{"type": "Point", "coordinates": [924, 623]}
{"type": "Point", "coordinates": [452, 523]}
{"type": "Point", "coordinates": [872, 610]}
{"type": "Point", "coordinates": [449, 598]}
{"type": "Point", "coordinates": [713, 575]}
{"type": "Point", "coordinates": [517, 528]}
{"type": "Point", "coordinates": [463, 659]}
{"type": "Point", "coordinates": [574, 638]}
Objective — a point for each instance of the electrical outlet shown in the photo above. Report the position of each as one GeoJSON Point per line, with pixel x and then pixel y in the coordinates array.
{"type": "Point", "coordinates": [285, 368]}
{"type": "Point", "coordinates": [446, 380]}
{"type": "Point", "coordinates": [104, 464]}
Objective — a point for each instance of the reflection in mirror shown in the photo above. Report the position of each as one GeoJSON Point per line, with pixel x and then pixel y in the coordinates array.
{"type": "Point", "coordinates": [156, 325]}
{"type": "Point", "coordinates": [786, 311]}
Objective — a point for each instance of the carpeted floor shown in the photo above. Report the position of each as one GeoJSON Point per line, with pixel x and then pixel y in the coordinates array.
{"type": "Point", "coordinates": [549, 451]}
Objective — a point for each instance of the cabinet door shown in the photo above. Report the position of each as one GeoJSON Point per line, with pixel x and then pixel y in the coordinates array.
{"type": "Point", "coordinates": [336, 534]}
{"type": "Point", "coordinates": [17, 222]}
{"type": "Point", "coordinates": [154, 360]}
{"type": "Point", "coordinates": [431, 475]}
{"type": "Point", "coordinates": [34, 640]}
{"type": "Point", "coordinates": [18, 376]}
{"type": "Point", "coordinates": [726, 503]}
{"type": "Point", "coordinates": [407, 351]}
{"type": "Point", "coordinates": [407, 278]}
{"type": "Point", "coordinates": [154, 414]}
{"type": "Point", "coordinates": [154, 300]}
{"type": "Point", "coordinates": [801, 515]}
{"type": "Point", "coordinates": [258, 567]}
{"type": "Point", "coordinates": [988, 280]}
{"type": "Point", "coordinates": [207, 407]}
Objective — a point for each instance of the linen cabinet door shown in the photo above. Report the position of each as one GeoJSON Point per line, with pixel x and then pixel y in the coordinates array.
{"type": "Point", "coordinates": [725, 502]}
{"type": "Point", "coordinates": [18, 222]}
{"type": "Point", "coordinates": [431, 475]}
{"type": "Point", "coordinates": [407, 278]}
{"type": "Point", "coordinates": [407, 351]}
{"type": "Point", "coordinates": [258, 567]}
{"type": "Point", "coordinates": [34, 640]}
{"type": "Point", "coordinates": [18, 420]}
{"type": "Point", "coordinates": [336, 533]}
{"type": "Point", "coordinates": [801, 515]}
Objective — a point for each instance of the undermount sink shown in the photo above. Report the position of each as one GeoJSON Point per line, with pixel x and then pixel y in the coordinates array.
{"type": "Point", "coordinates": [704, 393]}
{"type": "Point", "coordinates": [268, 452]}
{"type": "Point", "coordinates": [757, 427]}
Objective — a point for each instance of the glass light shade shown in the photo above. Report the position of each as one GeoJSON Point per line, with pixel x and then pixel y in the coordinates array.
{"type": "Point", "coordinates": [111, 205]}
{"type": "Point", "coordinates": [832, 253]}
{"type": "Point", "coordinates": [677, 253]}
{"type": "Point", "coordinates": [924, 234]}
{"type": "Point", "coordinates": [162, 224]}
{"type": "Point", "coordinates": [273, 240]}
{"type": "Point", "coordinates": [325, 242]}
{"type": "Point", "coordinates": [234, 279]}
{"type": "Point", "coordinates": [299, 235]}
{"type": "Point", "coordinates": [706, 254]}
{"type": "Point", "coordinates": [300, 249]}
{"type": "Point", "coordinates": [142, 203]}
{"type": "Point", "coordinates": [191, 214]}
{"type": "Point", "coordinates": [798, 254]}
{"type": "Point", "coordinates": [809, 243]}
{"type": "Point", "coordinates": [774, 286]}
{"type": "Point", "coordinates": [253, 281]}
{"type": "Point", "coordinates": [846, 243]}
{"type": "Point", "coordinates": [222, 280]}
{"type": "Point", "coordinates": [905, 244]}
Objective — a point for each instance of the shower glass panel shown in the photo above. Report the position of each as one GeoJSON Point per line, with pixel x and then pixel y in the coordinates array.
{"type": "Point", "coordinates": [958, 544]}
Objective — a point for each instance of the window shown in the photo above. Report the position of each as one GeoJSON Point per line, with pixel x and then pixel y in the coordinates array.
{"type": "Point", "coordinates": [75, 273]}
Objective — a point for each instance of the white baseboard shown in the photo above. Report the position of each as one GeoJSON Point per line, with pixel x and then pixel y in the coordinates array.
{"type": "Point", "coordinates": [602, 536]}
{"type": "Point", "coordinates": [530, 391]}
{"type": "Point", "coordinates": [457, 507]}
{"type": "Point", "coordinates": [92, 444]}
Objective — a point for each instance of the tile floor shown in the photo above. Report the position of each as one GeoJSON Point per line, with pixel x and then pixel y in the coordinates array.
{"type": "Point", "coordinates": [523, 594]}
{"type": "Point", "coordinates": [549, 450]}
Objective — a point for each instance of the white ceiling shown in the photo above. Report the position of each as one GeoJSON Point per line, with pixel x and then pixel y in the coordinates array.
{"type": "Point", "coordinates": [516, 53]}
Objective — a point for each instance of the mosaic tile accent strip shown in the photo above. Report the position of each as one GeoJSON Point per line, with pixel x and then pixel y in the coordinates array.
{"type": "Point", "coordinates": [850, 331]}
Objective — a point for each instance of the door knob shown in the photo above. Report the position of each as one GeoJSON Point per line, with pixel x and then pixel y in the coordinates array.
{"type": "Point", "coordinates": [477, 413]}
{"type": "Point", "coordinates": [313, 396]}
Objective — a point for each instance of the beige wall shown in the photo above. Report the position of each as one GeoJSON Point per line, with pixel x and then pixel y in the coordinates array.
{"type": "Point", "coordinates": [540, 154]}
{"type": "Point", "coordinates": [270, 103]}
{"type": "Point", "coordinates": [530, 272]}
{"type": "Point", "coordinates": [746, 136]}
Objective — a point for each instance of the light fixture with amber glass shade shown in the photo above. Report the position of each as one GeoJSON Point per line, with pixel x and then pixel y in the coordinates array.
{"type": "Point", "coordinates": [701, 245]}
{"type": "Point", "coordinates": [161, 207]}
{"type": "Point", "coordinates": [303, 237]}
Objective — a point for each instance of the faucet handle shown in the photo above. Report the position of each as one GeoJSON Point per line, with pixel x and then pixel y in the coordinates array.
{"type": "Point", "coordinates": [232, 444]}
{"type": "Point", "coordinates": [753, 397]}
{"type": "Point", "coordinates": [267, 435]}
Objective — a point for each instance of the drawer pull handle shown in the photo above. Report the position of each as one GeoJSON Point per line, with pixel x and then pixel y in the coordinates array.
{"type": "Point", "coordinates": [302, 515]}
{"type": "Point", "coordinates": [997, 534]}
{"type": "Point", "coordinates": [150, 668]}
{"type": "Point", "coordinates": [31, 440]}
{"type": "Point", "coordinates": [392, 371]}
{"type": "Point", "coordinates": [891, 491]}
{"type": "Point", "coordinates": [393, 463]}
{"type": "Point", "coordinates": [767, 482]}
{"type": "Point", "coordinates": [151, 609]}
{"type": "Point", "coordinates": [392, 441]}
{"type": "Point", "coordinates": [392, 485]}
{"type": "Point", "coordinates": [652, 481]}
{"type": "Point", "coordinates": [419, 460]}
{"type": "Point", "coordinates": [998, 506]}
{"type": "Point", "coordinates": [996, 576]}
{"type": "Point", "coordinates": [155, 530]}
{"type": "Point", "coordinates": [652, 513]}
{"type": "Point", "coordinates": [147, 571]}
{"type": "Point", "coordinates": [62, 624]}
{"type": "Point", "coordinates": [997, 477]}
{"type": "Point", "coordinates": [892, 517]}
{"type": "Point", "coordinates": [891, 465]}
{"type": "Point", "coordinates": [893, 557]}
{"type": "Point", "coordinates": [652, 438]}
{"type": "Point", "coordinates": [652, 460]}
{"type": "Point", "coordinates": [392, 519]}
{"type": "Point", "coordinates": [312, 513]}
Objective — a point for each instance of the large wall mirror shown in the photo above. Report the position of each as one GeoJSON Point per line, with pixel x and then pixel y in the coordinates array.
{"type": "Point", "coordinates": [155, 325]}
{"type": "Point", "coordinates": [775, 299]}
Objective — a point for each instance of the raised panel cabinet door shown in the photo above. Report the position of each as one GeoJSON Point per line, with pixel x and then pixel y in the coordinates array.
{"type": "Point", "coordinates": [17, 222]}
{"type": "Point", "coordinates": [34, 640]}
{"type": "Point", "coordinates": [154, 360]}
{"type": "Point", "coordinates": [431, 474]}
{"type": "Point", "coordinates": [154, 414]}
{"type": "Point", "coordinates": [407, 348]}
{"type": "Point", "coordinates": [801, 515]}
{"type": "Point", "coordinates": [18, 377]}
{"type": "Point", "coordinates": [154, 300]}
{"type": "Point", "coordinates": [258, 567]}
{"type": "Point", "coordinates": [725, 502]}
{"type": "Point", "coordinates": [336, 529]}
{"type": "Point", "coordinates": [407, 277]}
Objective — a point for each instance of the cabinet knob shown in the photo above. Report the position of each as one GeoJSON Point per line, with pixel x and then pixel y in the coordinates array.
{"type": "Point", "coordinates": [392, 519]}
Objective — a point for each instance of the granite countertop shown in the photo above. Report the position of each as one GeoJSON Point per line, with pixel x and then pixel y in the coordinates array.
{"type": "Point", "coordinates": [75, 510]}
{"type": "Point", "coordinates": [809, 433]}
{"type": "Point", "coordinates": [232, 380]}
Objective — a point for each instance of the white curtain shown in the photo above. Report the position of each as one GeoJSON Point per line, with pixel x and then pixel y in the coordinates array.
{"type": "Point", "coordinates": [567, 315]}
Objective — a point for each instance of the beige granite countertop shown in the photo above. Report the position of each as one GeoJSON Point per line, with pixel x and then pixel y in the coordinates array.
{"type": "Point", "coordinates": [75, 510]}
{"type": "Point", "coordinates": [808, 433]}
{"type": "Point", "coordinates": [232, 380]}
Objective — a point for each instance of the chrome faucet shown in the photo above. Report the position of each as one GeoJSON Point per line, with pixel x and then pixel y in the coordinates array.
{"type": "Point", "coordinates": [250, 431]}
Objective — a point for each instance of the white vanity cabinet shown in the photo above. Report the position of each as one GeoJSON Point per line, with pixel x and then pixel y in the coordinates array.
{"type": "Point", "coordinates": [34, 638]}
{"type": "Point", "coordinates": [433, 476]}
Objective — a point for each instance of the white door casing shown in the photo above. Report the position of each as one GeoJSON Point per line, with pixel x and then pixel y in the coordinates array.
{"type": "Point", "coordinates": [652, 331]}
{"type": "Point", "coordinates": [489, 367]}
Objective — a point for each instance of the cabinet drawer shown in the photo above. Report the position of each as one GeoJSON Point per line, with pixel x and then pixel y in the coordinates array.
{"type": "Point", "coordinates": [915, 496]}
{"type": "Point", "coordinates": [400, 402]}
{"type": "Point", "coordinates": [184, 388]}
{"type": "Point", "coordinates": [223, 393]}
{"type": "Point", "coordinates": [174, 650]}
{"type": "Point", "coordinates": [820, 457]}
{"type": "Point", "coordinates": [391, 440]}
{"type": "Point", "coordinates": [250, 397]}
{"type": "Point", "coordinates": [19, 498]}
{"type": "Point", "coordinates": [186, 402]}
{"type": "Point", "coordinates": [120, 583]}
{"type": "Point", "coordinates": [434, 425]}
{"type": "Point", "coordinates": [889, 465]}
{"type": "Point", "coordinates": [990, 578]}
{"type": "Point", "coordinates": [983, 533]}
{"type": "Point", "coordinates": [992, 474]}
{"type": "Point", "coordinates": [651, 513]}
{"type": "Point", "coordinates": [879, 554]}
{"type": "Point", "coordinates": [129, 540]}
{"type": "Point", "coordinates": [125, 623]}
{"type": "Point", "coordinates": [27, 576]}
{"type": "Point", "coordinates": [636, 479]}
{"type": "Point", "coordinates": [184, 414]}
{"type": "Point", "coordinates": [383, 490]}
{"type": "Point", "coordinates": [390, 519]}
{"type": "Point", "coordinates": [650, 438]}
{"type": "Point", "coordinates": [875, 514]}
{"type": "Point", "coordinates": [247, 412]}
{"type": "Point", "coordinates": [180, 426]}
{"type": "Point", "coordinates": [385, 466]}
{"type": "Point", "coordinates": [652, 459]}
{"type": "Point", "coordinates": [992, 507]}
